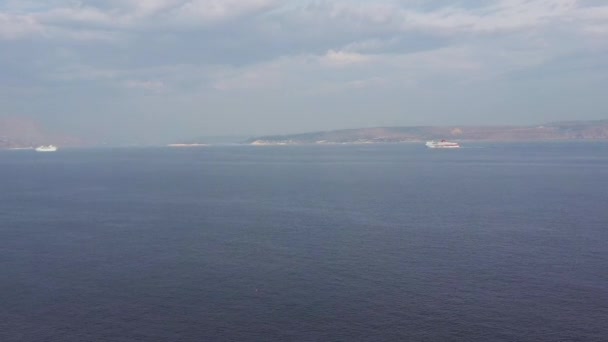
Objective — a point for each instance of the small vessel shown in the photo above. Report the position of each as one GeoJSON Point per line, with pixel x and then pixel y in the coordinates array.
{"type": "Point", "coordinates": [187, 145]}
{"type": "Point", "coordinates": [442, 144]}
{"type": "Point", "coordinates": [46, 148]}
{"type": "Point", "coordinates": [20, 148]}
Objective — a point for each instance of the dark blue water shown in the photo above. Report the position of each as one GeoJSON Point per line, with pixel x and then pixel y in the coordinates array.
{"type": "Point", "coordinates": [330, 243]}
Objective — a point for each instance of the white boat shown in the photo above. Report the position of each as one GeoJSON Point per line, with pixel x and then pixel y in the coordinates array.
{"type": "Point", "coordinates": [46, 148]}
{"type": "Point", "coordinates": [442, 144]}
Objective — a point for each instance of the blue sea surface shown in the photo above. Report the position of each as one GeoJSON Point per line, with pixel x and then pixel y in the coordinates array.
{"type": "Point", "coordinates": [382, 242]}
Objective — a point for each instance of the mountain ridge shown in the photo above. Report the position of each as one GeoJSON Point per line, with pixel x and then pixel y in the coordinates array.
{"type": "Point", "coordinates": [18, 132]}
{"type": "Point", "coordinates": [563, 130]}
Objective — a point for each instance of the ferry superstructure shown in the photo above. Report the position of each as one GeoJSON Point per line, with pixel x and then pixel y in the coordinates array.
{"type": "Point", "coordinates": [46, 148]}
{"type": "Point", "coordinates": [442, 144]}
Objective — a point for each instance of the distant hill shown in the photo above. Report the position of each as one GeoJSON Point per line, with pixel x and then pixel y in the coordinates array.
{"type": "Point", "coordinates": [22, 132]}
{"type": "Point", "coordinates": [570, 130]}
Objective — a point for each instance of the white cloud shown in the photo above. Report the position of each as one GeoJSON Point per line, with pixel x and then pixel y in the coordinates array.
{"type": "Point", "coordinates": [65, 16]}
{"type": "Point", "coordinates": [379, 18]}
{"type": "Point", "coordinates": [70, 18]}
{"type": "Point", "coordinates": [212, 11]}
{"type": "Point", "coordinates": [13, 26]}
{"type": "Point", "coordinates": [594, 21]}
{"type": "Point", "coordinates": [495, 16]}
{"type": "Point", "coordinates": [342, 59]}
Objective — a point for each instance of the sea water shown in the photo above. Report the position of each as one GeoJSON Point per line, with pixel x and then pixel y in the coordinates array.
{"type": "Point", "coordinates": [386, 242]}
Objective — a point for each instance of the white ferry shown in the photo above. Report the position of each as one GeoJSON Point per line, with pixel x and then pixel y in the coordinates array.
{"type": "Point", "coordinates": [442, 144]}
{"type": "Point", "coordinates": [46, 148]}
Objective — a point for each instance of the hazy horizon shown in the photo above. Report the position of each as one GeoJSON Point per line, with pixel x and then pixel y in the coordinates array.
{"type": "Point", "coordinates": [156, 71]}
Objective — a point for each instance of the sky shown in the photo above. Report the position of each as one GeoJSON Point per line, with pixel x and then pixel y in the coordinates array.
{"type": "Point", "coordinates": [162, 70]}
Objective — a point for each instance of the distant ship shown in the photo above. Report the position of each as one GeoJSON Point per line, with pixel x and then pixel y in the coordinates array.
{"type": "Point", "coordinates": [21, 148]}
{"type": "Point", "coordinates": [47, 148]}
{"type": "Point", "coordinates": [441, 144]}
{"type": "Point", "coordinates": [187, 145]}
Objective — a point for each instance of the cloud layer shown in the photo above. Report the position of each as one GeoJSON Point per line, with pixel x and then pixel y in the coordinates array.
{"type": "Point", "coordinates": [266, 66]}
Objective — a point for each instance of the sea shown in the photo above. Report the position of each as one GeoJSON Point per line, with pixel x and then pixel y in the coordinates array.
{"type": "Point", "coordinates": [379, 242]}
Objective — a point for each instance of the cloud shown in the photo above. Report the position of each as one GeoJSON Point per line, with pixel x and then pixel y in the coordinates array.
{"type": "Point", "coordinates": [155, 86]}
{"type": "Point", "coordinates": [296, 49]}
{"type": "Point", "coordinates": [14, 26]}
{"type": "Point", "coordinates": [320, 25]}
{"type": "Point", "coordinates": [214, 11]}
{"type": "Point", "coordinates": [498, 17]}
{"type": "Point", "coordinates": [594, 21]}
{"type": "Point", "coordinates": [341, 58]}
{"type": "Point", "coordinates": [343, 33]}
